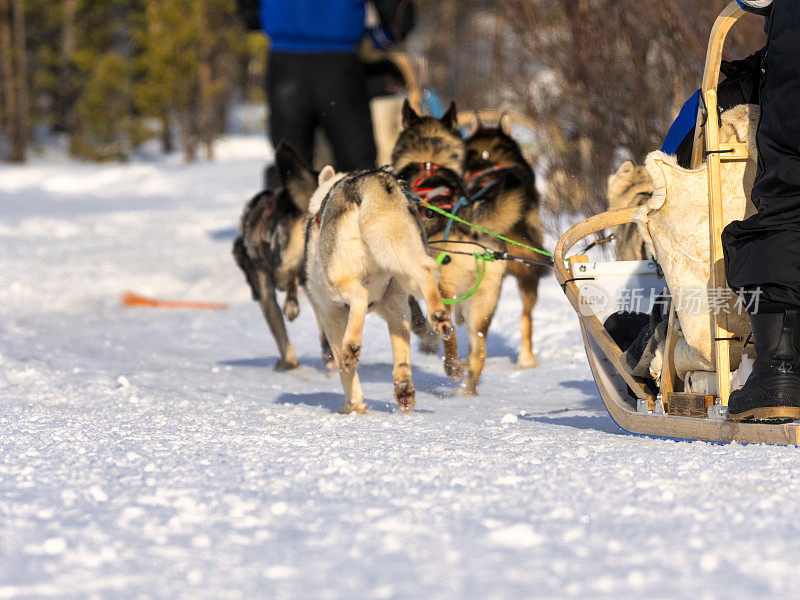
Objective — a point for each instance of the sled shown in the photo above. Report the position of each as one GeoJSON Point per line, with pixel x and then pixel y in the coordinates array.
{"type": "Point", "coordinates": [589, 286]}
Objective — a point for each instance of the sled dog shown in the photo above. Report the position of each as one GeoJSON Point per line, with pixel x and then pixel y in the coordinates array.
{"type": "Point", "coordinates": [269, 247]}
{"type": "Point", "coordinates": [429, 157]}
{"type": "Point", "coordinates": [497, 174]}
{"type": "Point", "coordinates": [365, 250]}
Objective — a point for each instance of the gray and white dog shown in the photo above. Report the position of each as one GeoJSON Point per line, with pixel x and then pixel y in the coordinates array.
{"type": "Point", "coordinates": [270, 245]}
{"type": "Point", "coordinates": [366, 251]}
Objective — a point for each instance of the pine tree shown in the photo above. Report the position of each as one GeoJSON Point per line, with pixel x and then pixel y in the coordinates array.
{"type": "Point", "coordinates": [14, 74]}
{"type": "Point", "coordinates": [106, 128]}
{"type": "Point", "coordinates": [187, 68]}
{"type": "Point", "coordinates": [111, 73]}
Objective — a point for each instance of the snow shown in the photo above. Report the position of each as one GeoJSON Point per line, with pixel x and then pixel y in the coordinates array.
{"type": "Point", "coordinates": [158, 454]}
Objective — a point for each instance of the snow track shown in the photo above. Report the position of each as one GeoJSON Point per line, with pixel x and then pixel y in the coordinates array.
{"type": "Point", "coordinates": [158, 454]}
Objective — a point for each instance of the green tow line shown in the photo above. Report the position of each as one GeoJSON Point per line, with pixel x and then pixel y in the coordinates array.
{"type": "Point", "coordinates": [480, 259]}
{"type": "Point", "coordinates": [479, 228]}
{"type": "Point", "coordinates": [480, 269]}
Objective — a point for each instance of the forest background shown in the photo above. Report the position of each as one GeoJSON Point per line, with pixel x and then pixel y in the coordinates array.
{"type": "Point", "coordinates": [600, 79]}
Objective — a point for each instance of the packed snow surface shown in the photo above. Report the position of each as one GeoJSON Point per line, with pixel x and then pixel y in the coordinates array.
{"type": "Point", "coordinates": [153, 453]}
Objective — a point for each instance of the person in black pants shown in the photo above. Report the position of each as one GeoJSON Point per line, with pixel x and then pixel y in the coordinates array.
{"type": "Point", "coordinates": [315, 78]}
{"type": "Point", "coordinates": [326, 90]}
{"type": "Point", "coordinates": [762, 253]}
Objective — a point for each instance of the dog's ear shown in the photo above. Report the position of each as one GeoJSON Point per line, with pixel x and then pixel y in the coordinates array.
{"type": "Point", "coordinates": [474, 124]}
{"type": "Point", "coordinates": [296, 175]}
{"type": "Point", "coordinates": [410, 116]}
{"type": "Point", "coordinates": [450, 118]}
{"type": "Point", "coordinates": [326, 174]}
{"type": "Point", "coordinates": [505, 123]}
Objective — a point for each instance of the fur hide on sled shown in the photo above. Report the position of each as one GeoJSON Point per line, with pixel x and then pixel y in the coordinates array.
{"type": "Point", "coordinates": [674, 226]}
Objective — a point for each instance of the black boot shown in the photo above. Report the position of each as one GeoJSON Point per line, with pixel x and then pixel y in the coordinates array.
{"type": "Point", "coordinates": [772, 392]}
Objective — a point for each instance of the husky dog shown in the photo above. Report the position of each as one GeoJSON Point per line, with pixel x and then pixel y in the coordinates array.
{"type": "Point", "coordinates": [269, 248]}
{"type": "Point", "coordinates": [499, 176]}
{"type": "Point", "coordinates": [429, 155]}
{"type": "Point", "coordinates": [630, 185]}
{"type": "Point", "coordinates": [365, 250]}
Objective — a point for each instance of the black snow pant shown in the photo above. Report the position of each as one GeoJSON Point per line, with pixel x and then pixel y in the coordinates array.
{"type": "Point", "coordinates": [326, 90]}
{"type": "Point", "coordinates": [763, 252]}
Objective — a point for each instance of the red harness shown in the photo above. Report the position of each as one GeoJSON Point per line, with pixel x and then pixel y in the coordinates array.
{"type": "Point", "coordinates": [475, 175]}
{"type": "Point", "coordinates": [429, 194]}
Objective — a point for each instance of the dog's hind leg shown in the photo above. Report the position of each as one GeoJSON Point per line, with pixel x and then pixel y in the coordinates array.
{"type": "Point", "coordinates": [529, 294]}
{"type": "Point", "coordinates": [357, 297]}
{"type": "Point", "coordinates": [247, 266]}
{"type": "Point", "coordinates": [274, 317]}
{"type": "Point", "coordinates": [476, 334]}
{"type": "Point", "coordinates": [334, 328]}
{"type": "Point", "coordinates": [479, 317]}
{"type": "Point", "coordinates": [291, 308]}
{"type": "Point", "coordinates": [327, 354]}
{"type": "Point", "coordinates": [438, 316]}
{"type": "Point", "coordinates": [395, 314]}
{"type": "Point", "coordinates": [428, 340]}
{"type": "Point", "coordinates": [453, 367]}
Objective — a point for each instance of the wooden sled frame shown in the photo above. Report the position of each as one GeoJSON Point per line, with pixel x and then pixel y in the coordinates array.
{"type": "Point", "coordinates": [613, 381]}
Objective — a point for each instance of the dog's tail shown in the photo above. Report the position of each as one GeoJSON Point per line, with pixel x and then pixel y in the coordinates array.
{"type": "Point", "coordinates": [389, 229]}
{"type": "Point", "coordinates": [501, 209]}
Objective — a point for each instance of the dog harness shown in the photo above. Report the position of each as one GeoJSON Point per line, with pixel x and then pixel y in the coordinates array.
{"type": "Point", "coordinates": [480, 173]}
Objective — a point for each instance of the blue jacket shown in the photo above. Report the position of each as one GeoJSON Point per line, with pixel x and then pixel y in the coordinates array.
{"type": "Point", "coordinates": [307, 26]}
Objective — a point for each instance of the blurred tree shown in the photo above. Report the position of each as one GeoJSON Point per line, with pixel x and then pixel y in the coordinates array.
{"type": "Point", "coordinates": [105, 127]}
{"type": "Point", "coordinates": [109, 74]}
{"type": "Point", "coordinates": [188, 69]}
{"type": "Point", "coordinates": [14, 78]}
{"type": "Point", "coordinates": [603, 79]}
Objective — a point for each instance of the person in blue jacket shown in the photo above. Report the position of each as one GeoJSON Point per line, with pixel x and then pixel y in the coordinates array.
{"type": "Point", "coordinates": [314, 76]}
{"type": "Point", "coordinates": [762, 253]}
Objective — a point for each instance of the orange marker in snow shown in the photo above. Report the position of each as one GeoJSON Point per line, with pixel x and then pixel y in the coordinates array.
{"type": "Point", "coordinates": [135, 300]}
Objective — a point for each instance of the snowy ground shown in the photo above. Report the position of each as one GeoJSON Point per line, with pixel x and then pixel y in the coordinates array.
{"type": "Point", "coordinates": [158, 454]}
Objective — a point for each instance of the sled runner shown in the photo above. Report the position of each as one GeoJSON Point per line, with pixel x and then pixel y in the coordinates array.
{"type": "Point", "coordinates": [592, 289]}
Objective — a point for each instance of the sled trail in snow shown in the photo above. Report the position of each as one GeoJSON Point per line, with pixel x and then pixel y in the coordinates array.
{"type": "Point", "coordinates": [158, 453]}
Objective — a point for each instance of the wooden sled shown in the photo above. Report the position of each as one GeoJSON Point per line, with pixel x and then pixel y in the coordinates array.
{"type": "Point", "coordinates": [588, 286]}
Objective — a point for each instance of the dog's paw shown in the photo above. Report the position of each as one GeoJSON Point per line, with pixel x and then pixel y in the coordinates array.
{"type": "Point", "coordinates": [359, 409]}
{"type": "Point", "coordinates": [454, 368]}
{"type": "Point", "coordinates": [405, 395]}
{"type": "Point", "coordinates": [468, 389]}
{"type": "Point", "coordinates": [441, 322]}
{"type": "Point", "coordinates": [350, 355]}
{"type": "Point", "coordinates": [291, 309]}
{"type": "Point", "coordinates": [527, 362]}
{"type": "Point", "coordinates": [287, 364]}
